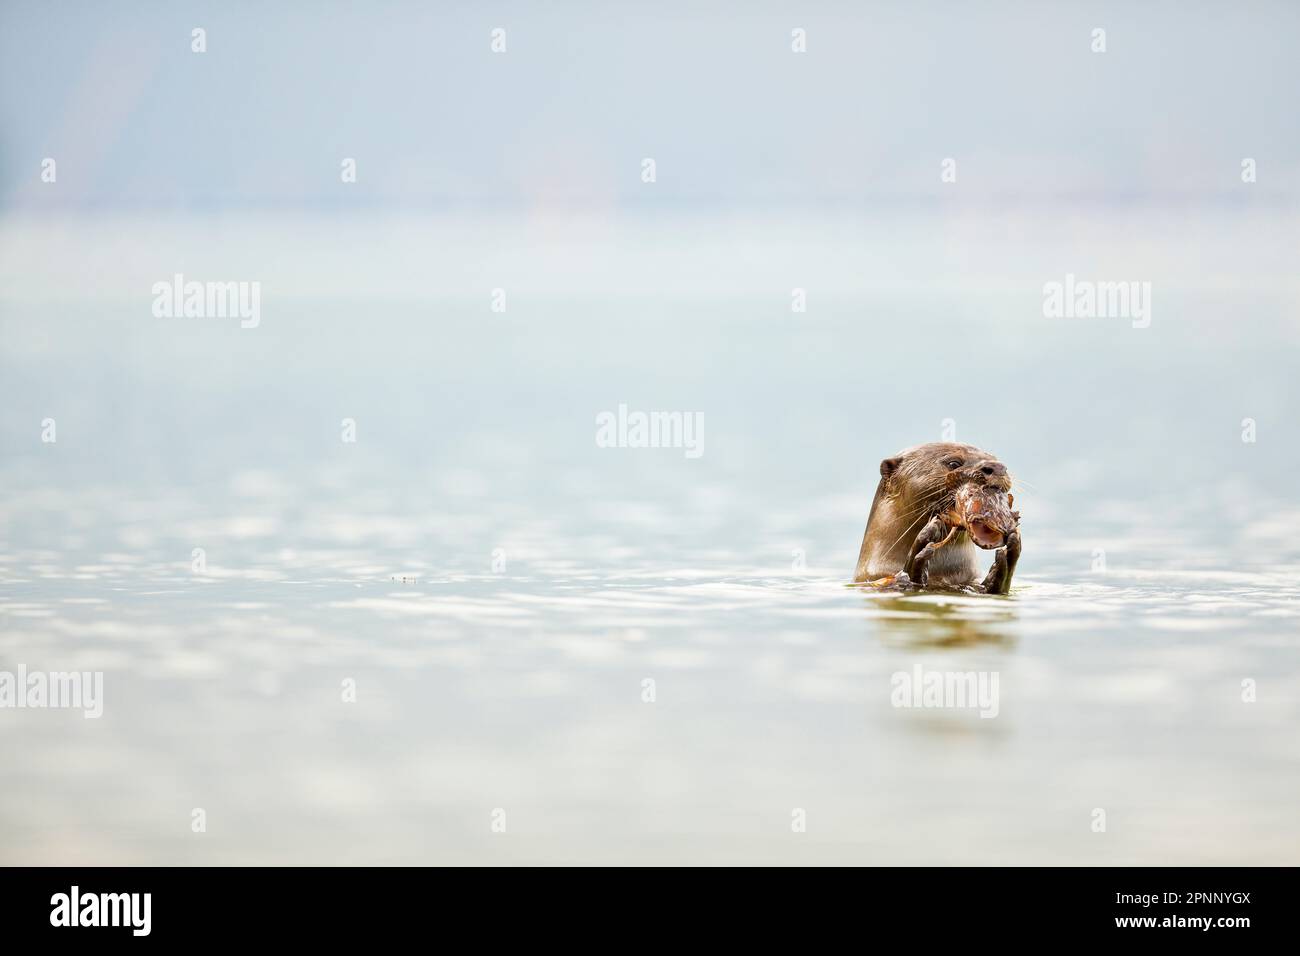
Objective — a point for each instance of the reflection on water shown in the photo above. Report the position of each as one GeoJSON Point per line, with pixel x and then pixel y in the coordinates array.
{"type": "Point", "coordinates": [943, 620]}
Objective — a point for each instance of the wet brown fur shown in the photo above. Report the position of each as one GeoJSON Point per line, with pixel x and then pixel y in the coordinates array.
{"type": "Point", "coordinates": [915, 486]}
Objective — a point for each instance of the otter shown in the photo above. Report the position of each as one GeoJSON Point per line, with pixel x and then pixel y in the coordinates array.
{"type": "Point", "coordinates": [935, 506]}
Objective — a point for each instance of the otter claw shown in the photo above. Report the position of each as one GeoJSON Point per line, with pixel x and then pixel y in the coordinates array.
{"type": "Point", "coordinates": [999, 577]}
{"type": "Point", "coordinates": [927, 542]}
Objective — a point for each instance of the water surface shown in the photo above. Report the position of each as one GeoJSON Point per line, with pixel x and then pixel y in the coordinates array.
{"type": "Point", "coordinates": [500, 589]}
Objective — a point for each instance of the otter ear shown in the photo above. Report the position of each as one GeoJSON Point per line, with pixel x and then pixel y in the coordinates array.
{"type": "Point", "coordinates": [889, 466]}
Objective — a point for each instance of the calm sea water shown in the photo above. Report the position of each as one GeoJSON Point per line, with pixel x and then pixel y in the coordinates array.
{"type": "Point", "coordinates": [499, 589]}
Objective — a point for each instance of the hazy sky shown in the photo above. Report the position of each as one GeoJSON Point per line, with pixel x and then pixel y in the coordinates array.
{"type": "Point", "coordinates": [586, 91]}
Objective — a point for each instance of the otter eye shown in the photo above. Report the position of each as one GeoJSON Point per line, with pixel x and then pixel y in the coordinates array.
{"type": "Point", "coordinates": [953, 463]}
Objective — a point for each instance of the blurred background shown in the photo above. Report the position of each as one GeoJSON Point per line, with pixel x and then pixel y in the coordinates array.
{"type": "Point", "coordinates": [1161, 563]}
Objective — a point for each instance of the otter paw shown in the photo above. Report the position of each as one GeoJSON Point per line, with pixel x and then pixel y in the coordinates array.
{"type": "Point", "coordinates": [998, 580]}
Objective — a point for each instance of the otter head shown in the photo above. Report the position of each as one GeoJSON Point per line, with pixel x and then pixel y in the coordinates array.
{"type": "Point", "coordinates": [939, 467]}
{"type": "Point", "coordinates": [968, 486]}
{"type": "Point", "coordinates": [963, 481]}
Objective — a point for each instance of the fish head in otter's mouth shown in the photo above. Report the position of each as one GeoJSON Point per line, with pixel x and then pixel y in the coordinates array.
{"type": "Point", "coordinates": [984, 510]}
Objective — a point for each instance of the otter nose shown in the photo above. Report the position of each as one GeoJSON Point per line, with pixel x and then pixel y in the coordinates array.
{"type": "Point", "coordinates": [991, 468]}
